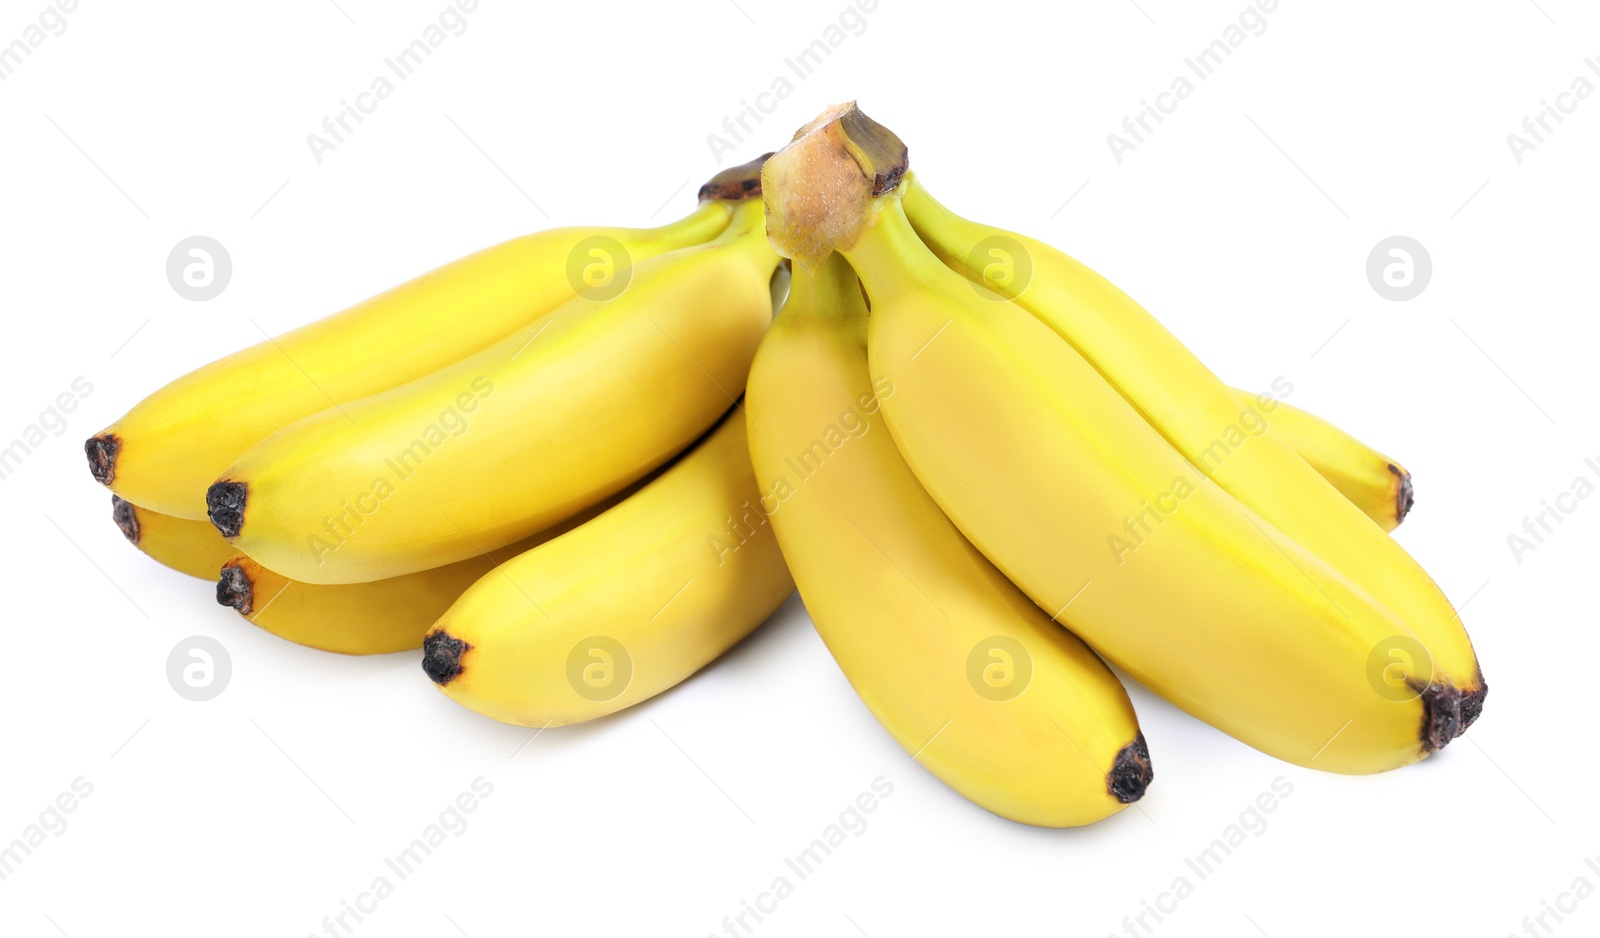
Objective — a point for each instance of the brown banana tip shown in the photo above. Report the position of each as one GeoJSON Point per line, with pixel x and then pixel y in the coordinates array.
{"type": "Point", "coordinates": [1472, 704]}
{"type": "Point", "coordinates": [1404, 496]}
{"type": "Point", "coordinates": [1441, 716]}
{"type": "Point", "coordinates": [225, 502]}
{"type": "Point", "coordinates": [1131, 773]}
{"type": "Point", "coordinates": [736, 183]}
{"type": "Point", "coordinates": [441, 656]}
{"type": "Point", "coordinates": [102, 452]}
{"type": "Point", "coordinates": [235, 589]}
{"type": "Point", "coordinates": [126, 518]}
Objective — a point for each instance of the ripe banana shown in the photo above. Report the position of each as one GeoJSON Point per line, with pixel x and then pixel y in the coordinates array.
{"type": "Point", "coordinates": [965, 672]}
{"type": "Point", "coordinates": [1199, 416]}
{"type": "Point", "coordinates": [623, 607]}
{"type": "Point", "coordinates": [1079, 501]}
{"type": "Point", "coordinates": [192, 547]}
{"type": "Point", "coordinates": [1371, 481]}
{"type": "Point", "coordinates": [373, 618]}
{"type": "Point", "coordinates": [512, 439]}
{"type": "Point", "coordinates": [172, 445]}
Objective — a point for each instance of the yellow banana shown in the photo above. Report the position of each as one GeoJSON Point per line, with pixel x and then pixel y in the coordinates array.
{"type": "Point", "coordinates": [361, 618]}
{"type": "Point", "coordinates": [512, 439]}
{"type": "Point", "coordinates": [1200, 417]}
{"type": "Point", "coordinates": [166, 451]}
{"type": "Point", "coordinates": [623, 607]}
{"type": "Point", "coordinates": [965, 672]}
{"type": "Point", "coordinates": [1371, 481]}
{"type": "Point", "coordinates": [192, 547]}
{"type": "Point", "coordinates": [1081, 503]}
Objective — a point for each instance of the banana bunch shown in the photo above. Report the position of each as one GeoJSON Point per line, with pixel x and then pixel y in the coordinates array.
{"type": "Point", "coordinates": [1102, 469]}
{"type": "Point", "coordinates": [575, 468]}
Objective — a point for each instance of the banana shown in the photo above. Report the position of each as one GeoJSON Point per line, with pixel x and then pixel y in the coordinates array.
{"type": "Point", "coordinates": [165, 451]}
{"type": "Point", "coordinates": [623, 607]}
{"type": "Point", "coordinates": [965, 672]}
{"type": "Point", "coordinates": [1200, 417]}
{"type": "Point", "coordinates": [1051, 473]}
{"type": "Point", "coordinates": [1371, 481]}
{"type": "Point", "coordinates": [512, 439]}
{"type": "Point", "coordinates": [192, 547]}
{"type": "Point", "coordinates": [373, 618]}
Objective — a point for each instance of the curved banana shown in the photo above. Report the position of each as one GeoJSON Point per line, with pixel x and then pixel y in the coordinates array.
{"type": "Point", "coordinates": [192, 547]}
{"type": "Point", "coordinates": [1371, 481]}
{"type": "Point", "coordinates": [169, 448]}
{"type": "Point", "coordinates": [361, 618]}
{"type": "Point", "coordinates": [1200, 417]}
{"type": "Point", "coordinates": [962, 669]}
{"type": "Point", "coordinates": [1080, 502]}
{"type": "Point", "coordinates": [623, 607]}
{"type": "Point", "coordinates": [512, 439]}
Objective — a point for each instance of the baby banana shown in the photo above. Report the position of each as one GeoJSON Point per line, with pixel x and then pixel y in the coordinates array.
{"type": "Point", "coordinates": [1199, 416]}
{"type": "Point", "coordinates": [623, 607]}
{"type": "Point", "coordinates": [962, 669]}
{"type": "Point", "coordinates": [514, 438]}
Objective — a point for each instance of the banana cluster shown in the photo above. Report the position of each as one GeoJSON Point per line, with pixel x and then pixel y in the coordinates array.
{"type": "Point", "coordinates": [575, 468]}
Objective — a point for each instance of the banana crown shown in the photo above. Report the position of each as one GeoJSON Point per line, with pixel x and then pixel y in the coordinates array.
{"type": "Point", "coordinates": [823, 189]}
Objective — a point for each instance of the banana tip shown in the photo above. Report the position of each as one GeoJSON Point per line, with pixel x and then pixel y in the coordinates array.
{"type": "Point", "coordinates": [1472, 704]}
{"type": "Point", "coordinates": [1447, 711]}
{"type": "Point", "coordinates": [1404, 496]}
{"type": "Point", "coordinates": [441, 656]}
{"type": "Point", "coordinates": [225, 502]}
{"type": "Point", "coordinates": [235, 589]}
{"type": "Point", "coordinates": [102, 452]}
{"type": "Point", "coordinates": [736, 183]}
{"type": "Point", "coordinates": [1131, 773]}
{"type": "Point", "coordinates": [126, 518]}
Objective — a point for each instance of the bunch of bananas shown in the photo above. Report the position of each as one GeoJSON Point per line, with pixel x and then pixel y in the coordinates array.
{"type": "Point", "coordinates": [577, 467]}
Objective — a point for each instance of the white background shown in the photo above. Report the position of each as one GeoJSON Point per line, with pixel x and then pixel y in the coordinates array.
{"type": "Point", "coordinates": [1244, 222]}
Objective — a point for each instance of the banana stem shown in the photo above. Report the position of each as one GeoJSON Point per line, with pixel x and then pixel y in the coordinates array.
{"type": "Point", "coordinates": [824, 189]}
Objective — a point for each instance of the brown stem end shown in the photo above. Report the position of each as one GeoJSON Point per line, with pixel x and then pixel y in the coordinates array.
{"type": "Point", "coordinates": [736, 183]}
{"type": "Point", "coordinates": [824, 188]}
